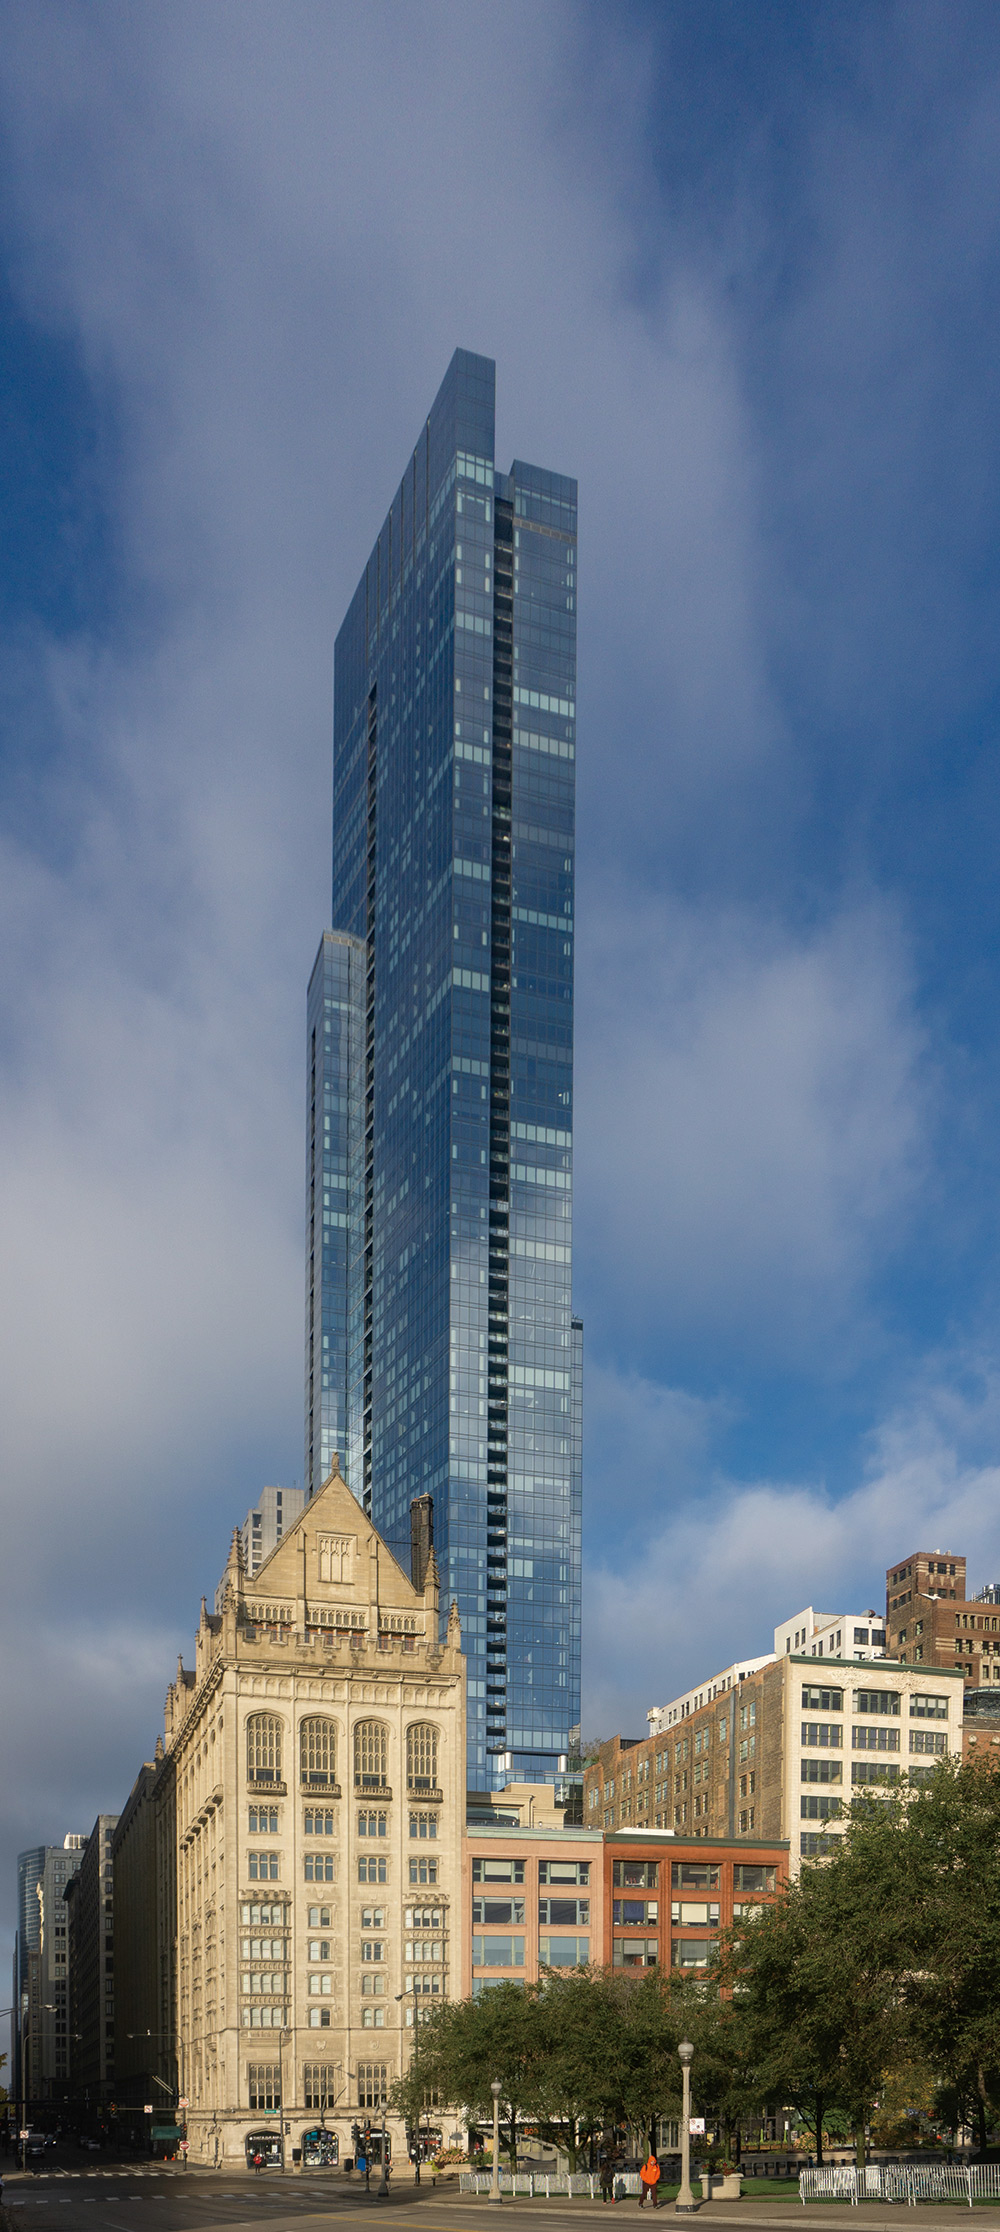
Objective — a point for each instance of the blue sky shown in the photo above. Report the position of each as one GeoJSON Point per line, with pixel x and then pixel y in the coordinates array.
{"type": "Point", "coordinates": [738, 266]}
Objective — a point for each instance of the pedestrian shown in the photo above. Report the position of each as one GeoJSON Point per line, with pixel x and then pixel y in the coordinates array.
{"type": "Point", "coordinates": [607, 2180]}
{"type": "Point", "coordinates": [649, 2178]}
{"type": "Point", "coordinates": [434, 2174]}
{"type": "Point", "coordinates": [258, 2163]}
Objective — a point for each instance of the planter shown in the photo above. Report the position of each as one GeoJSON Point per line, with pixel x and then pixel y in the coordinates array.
{"type": "Point", "coordinates": [721, 2185]}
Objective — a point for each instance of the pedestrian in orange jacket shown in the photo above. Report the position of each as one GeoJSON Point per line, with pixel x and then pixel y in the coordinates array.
{"type": "Point", "coordinates": [649, 2178]}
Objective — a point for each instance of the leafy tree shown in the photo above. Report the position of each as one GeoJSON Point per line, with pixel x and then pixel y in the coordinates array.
{"type": "Point", "coordinates": [950, 1882]}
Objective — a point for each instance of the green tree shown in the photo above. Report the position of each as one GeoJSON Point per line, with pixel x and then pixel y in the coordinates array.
{"type": "Point", "coordinates": [950, 1881]}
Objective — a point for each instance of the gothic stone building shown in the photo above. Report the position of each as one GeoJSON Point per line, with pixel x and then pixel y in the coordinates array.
{"type": "Point", "coordinates": [318, 1751]}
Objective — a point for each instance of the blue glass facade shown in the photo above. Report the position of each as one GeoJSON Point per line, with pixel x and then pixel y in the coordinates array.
{"type": "Point", "coordinates": [441, 1037]}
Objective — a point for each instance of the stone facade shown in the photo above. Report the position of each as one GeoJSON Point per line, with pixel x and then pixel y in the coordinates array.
{"type": "Point", "coordinates": [318, 1754]}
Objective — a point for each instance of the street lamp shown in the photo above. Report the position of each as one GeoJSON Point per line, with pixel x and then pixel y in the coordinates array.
{"type": "Point", "coordinates": [416, 2030]}
{"type": "Point", "coordinates": [495, 2193]}
{"type": "Point", "coordinates": [685, 2199]}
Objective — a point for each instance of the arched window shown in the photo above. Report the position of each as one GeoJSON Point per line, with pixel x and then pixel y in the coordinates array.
{"type": "Point", "coordinates": [263, 1748]}
{"type": "Point", "coordinates": [318, 1753]}
{"type": "Point", "coordinates": [421, 1756]}
{"type": "Point", "coordinates": [371, 1755]}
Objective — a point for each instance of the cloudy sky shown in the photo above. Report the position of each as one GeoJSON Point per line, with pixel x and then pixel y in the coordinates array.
{"type": "Point", "coordinates": [738, 266]}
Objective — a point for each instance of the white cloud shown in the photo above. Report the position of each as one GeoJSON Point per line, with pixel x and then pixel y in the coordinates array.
{"type": "Point", "coordinates": [752, 1121]}
{"type": "Point", "coordinates": [712, 1579]}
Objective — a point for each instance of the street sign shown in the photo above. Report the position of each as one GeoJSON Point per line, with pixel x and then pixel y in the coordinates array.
{"type": "Point", "coordinates": [148, 2108]}
{"type": "Point", "coordinates": [183, 2104]}
{"type": "Point", "coordinates": [696, 2127]}
{"type": "Point", "coordinates": [22, 2135]}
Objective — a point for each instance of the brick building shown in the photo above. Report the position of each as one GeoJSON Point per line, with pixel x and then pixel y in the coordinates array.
{"type": "Point", "coordinates": [666, 1898]}
{"type": "Point", "coordinates": [781, 1756]}
{"type": "Point", "coordinates": [532, 1898]}
{"type": "Point", "coordinates": [932, 1621]}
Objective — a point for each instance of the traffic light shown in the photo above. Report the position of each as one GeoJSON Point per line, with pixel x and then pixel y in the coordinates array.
{"type": "Point", "coordinates": [355, 2136]}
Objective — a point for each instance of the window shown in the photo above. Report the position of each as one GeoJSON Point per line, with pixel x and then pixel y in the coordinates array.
{"type": "Point", "coordinates": [372, 1824]}
{"type": "Point", "coordinates": [318, 1823]}
{"type": "Point", "coordinates": [638, 1911]}
{"type": "Point", "coordinates": [272, 1911]}
{"type": "Point", "coordinates": [318, 1753]}
{"type": "Point", "coordinates": [372, 1987]}
{"type": "Point", "coordinates": [320, 1867]}
{"type": "Point", "coordinates": [885, 1702]}
{"type": "Point", "coordinates": [571, 1914]}
{"type": "Point", "coordinates": [424, 1825]}
{"type": "Point", "coordinates": [319, 2018]}
{"type": "Point", "coordinates": [373, 1870]}
{"type": "Point", "coordinates": [264, 2080]}
{"type": "Point", "coordinates": [373, 1918]}
{"type": "Point", "coordinates": [421, 1757]}
{"type": "Point", "coordinates": [928, 1740]}
{"type": "Point", "coordinates": [563, 1952]}
{"type": "Point", "coordinates": [372, 1949]}
{"type": "Point", "coordinates": [875, 1739]}
{"type": "Point", "coordinates": [424, 1871]}
{"type": "Point", "coordinates": [694, 1875]}
{"type": "Point", "coordinates": [319, 1917]}
{"type": "Point", "coordinates": [371, 1756]}
{"type": "Point", "coordinates": [821, 1700]}
{"type": "Point", "coordinates": [319, 1949]}
{"type": "Point", "coordinates": [873, 1771]}
{"type": "Point", "coordinates": [815, 1846]}
{"type": "Point", "coordinates": [692, 1953]}
{"type": "Point", "coordinates": [498, 1871]}
{"type": "Point", "coordinates": [424, 1949]}
{"type": "Point", "coordinates": [373, 2018]}
{"type": "Point", "coordinates": [495, 1913]}
{"type": "Point", "coordinates": [263, 1821]}
{"type": "Point", "coordinates": [262, 1867]}
{"type": "Point", "coordinates": [373, 2084]}
{"type": "Point", "coordinates": [319, 2084]}
{"type": "Point", "coordinates": [498, 1952]}
{"type": "Point", "coordinates": [861, 1635]}
{"type": "Point", "coordinates": [821, 1770]}
{"type": "Point", "coordinates": [693, 1910]}
{"type": "Point", "coordinates": [321, 1985]}
{"type": "Point", "coordinates": [565, 1871]}
{"type": "Point", "coordinates": [635, 1952]}
{"type": "Point", "coordinates": [638, 1875]}
{"type": "Point", "coordinates": [829, 1733]}
{"type": "Point", "coordinates": [928, 1708]}
{"type": "Point", "coordinates": [818, 1809]}
{"type": "Point", "coordinates": [424, 1918]}
{"type": "Point", "coordinates": [263, 1748]}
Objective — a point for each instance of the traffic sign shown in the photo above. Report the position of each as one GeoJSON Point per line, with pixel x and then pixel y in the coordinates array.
{"type": "Point", "coordinates": [147, 2108]}
{"type": "Point", "coordinates": [183, 2104]}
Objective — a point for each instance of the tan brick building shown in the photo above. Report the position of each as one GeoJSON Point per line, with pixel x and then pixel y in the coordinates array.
{"type": "Point", "coordinates": [932, 1621]}
{"type": "Point", "coordinates": [318, 1764]}
{"type": "Point", "coordinates": [780, 1756]}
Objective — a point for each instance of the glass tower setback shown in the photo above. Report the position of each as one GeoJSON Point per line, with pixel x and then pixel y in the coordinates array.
{"type": "Point", "coordinates": [442, 1354]}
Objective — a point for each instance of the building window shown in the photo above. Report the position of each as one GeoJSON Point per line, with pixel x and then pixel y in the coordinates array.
{"type": "Point", "coordinates": [263, 1821]}
{"type": "Point", "coordinates": [318, 1753]}
{"type": "Point", "coordinates": [264, 2080]}
{"type": "Point", "coordinates": [563, 1952]}
{"type": "Point", "coordinates": [372, 1987]}
{"type": "Point", "coordinates": [262, 1867]}
{"type": "Point", "coordinates": [626, 1875]}
{"type": "Point", "coordinates": [321, 1985]}
{"type": "Point", "coordinates": [421, 1871]}
{"type": "Point", "coordinates": [373, 2018]}
{"type": "Point", "coordinates": [423, 1825]}
{"type": "Point", "coordinates": [373, 2084]}
{"type": "Point", "coordinates": [319, 2018]}
{"type": "Point", "coordinates": [874, 1771]}
{"type": "Point", "coordinates": [883, 1702]}
{"type": "Point", "coordinates": [373, 1949]}
{"type": "Point", "coordinates": [319, 1824]}
{"type": "Point", "coordinates": [692, 1953]}
{"type": "Point", "coordinates": [815, 1846]}
{"type": "Point", "coordinates": [373, 1870]}
{"type": "Point", "coordinates": [319, 2084]}
{"type": "Point", "coordinates": [498, 1952]}
{"type": "Point", "coordinates": [319, 1867]}
{"type": "Point", "coordinates": [497, 1871]}
{"type": "Point", "coordinates": [263, 1748]}
{"type": "Point", "coordinates": [694, 1875]}
{"type": "Point", "coordinates": [421, 1757]}
{"type": "Point", "coordinates": [875, 1739]}
{"type": "Point", "coordinates": [819, 1771]}
{"type": "Point", "coordinates": [821, 1700]}
{"type": "Point", "coordinates": [372, 1825]}
{"type": "Point", "coordinates": [928, 1740]}
{"type": "Point", "coordinates": [319, 1918]}
{"type": "Point", "coordinates": [827, 1733]}
{"type": "Point", "coordinates": [817, 1808]}
{"type": "Point", "coordinates": [371, 1755]}
{"type": "Point", "coordinates": [928, 1708]}
{"type": "Point", "coordinates": [636, 1911]}
{"type": "Point", "coordinates": [635, 1952]}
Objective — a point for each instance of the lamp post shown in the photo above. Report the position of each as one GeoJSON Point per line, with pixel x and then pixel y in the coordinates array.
{"type": "Point", "coordinates": [495, 2193]}
{"type": "Point", "coordinates": [685, 2201]}
{"type": "Point", "coordinates": [383, 2184]}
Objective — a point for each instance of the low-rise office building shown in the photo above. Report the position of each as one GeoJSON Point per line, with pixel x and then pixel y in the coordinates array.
{"type": "Point", "coordinates": [532, 1898]}
{"type": "Point", "coordinates": [666, 1897]}
{"type": "Point", "coordinates": [780, 1757]}
{"type": "Point", "coordinates": [932, 1621]}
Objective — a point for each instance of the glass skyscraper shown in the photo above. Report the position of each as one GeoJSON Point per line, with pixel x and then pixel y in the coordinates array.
{"type": "Point", "coordinates": [443, 1357]}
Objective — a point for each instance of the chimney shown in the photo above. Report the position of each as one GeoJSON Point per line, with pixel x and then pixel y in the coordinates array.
{"type": "Point", "coordinates": [421, 1539]}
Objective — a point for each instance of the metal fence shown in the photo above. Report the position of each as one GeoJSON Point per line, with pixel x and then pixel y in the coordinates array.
{"type": "Point", "coordinates": [542, 2184]}
{"type": "Point", "coordinates": [903, 2182]}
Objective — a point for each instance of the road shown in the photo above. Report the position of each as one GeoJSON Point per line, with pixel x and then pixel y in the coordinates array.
{"type": "Point", "coordinates": [149, 2197]}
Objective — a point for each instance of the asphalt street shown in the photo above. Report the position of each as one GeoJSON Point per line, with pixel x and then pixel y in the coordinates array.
{"type": "Point", "coordinates": [122, 2199]}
